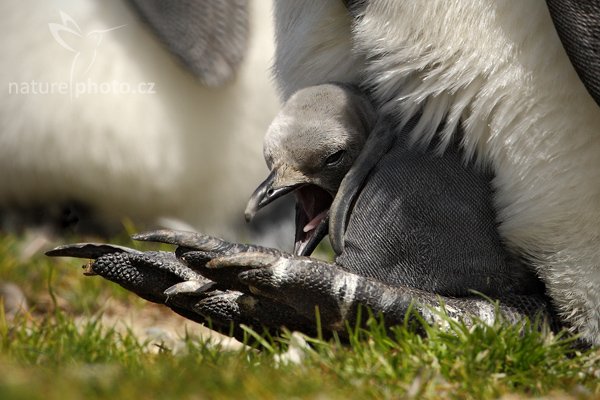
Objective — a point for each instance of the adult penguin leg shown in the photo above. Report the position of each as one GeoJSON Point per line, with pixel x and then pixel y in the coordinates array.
{"type": "Point", "coordinates": [305, 285]}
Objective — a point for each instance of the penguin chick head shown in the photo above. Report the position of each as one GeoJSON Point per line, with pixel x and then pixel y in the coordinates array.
{"type": "Point", "coordinates": [309, 147]}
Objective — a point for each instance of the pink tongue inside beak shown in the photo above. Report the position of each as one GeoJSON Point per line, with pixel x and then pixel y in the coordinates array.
{"type": "Point", "coordinates": [315, 221]}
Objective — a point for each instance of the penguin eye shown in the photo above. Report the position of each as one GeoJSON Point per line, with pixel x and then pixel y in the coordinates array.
{"type": "Point", "coordinates": [334, 158]}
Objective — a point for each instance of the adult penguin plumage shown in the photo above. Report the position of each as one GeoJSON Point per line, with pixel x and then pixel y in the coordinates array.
{"type": "Point", "coordinates": [497, 72]}
{"type": "Point", "coordinates": [172, 149]}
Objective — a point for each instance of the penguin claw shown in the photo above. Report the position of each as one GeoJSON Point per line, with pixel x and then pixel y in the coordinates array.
{"type": "Point", "coordinates": [187, 239]}
{"type": "Point", "coordinates": [88, 250]}
{"type": "Point", "coordinates": [168, 236]}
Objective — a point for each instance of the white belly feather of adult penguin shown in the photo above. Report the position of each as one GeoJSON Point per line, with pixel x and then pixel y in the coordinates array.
{"type": "Point", "coordinates": [497, 70]}
{"type": "Point", "coordinates": [174, 150]}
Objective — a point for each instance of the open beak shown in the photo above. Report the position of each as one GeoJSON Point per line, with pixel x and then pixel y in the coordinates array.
{"type": "Point", "coordinates": [312, 210]}
{"type": "Point", "coordinates": [266, 193]}
{"type": "Point", "coordinates": [307, 237]}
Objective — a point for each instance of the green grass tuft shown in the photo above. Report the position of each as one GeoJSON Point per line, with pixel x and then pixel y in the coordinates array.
{"type": "Point", "coordinates": [62, 350]}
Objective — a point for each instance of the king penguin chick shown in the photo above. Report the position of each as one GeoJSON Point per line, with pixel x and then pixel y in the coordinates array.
{"type": "Point", "coordinates": [417, 219]}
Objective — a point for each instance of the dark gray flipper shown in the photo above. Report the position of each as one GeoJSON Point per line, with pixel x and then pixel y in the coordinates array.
{"type": "Point", "coordinates": [578, 25]}
{"type": "Point", "coordinates": [208, 37]}
{"type": "Point", "coordinates": [378, 143]}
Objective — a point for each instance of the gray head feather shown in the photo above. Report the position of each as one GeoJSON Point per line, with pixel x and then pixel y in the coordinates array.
{"type": "Point", "coordinates": [318, 134]}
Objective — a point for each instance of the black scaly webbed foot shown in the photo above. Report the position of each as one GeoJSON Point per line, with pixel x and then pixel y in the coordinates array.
{"type": "Point", "coordinates": [235, 304]}
{"type": "Point", "coordinates": [226, 283]}
{"type": "Point", "coordinates": [147, 274]}
{"type": "Point", "coordinates": [165, 278]}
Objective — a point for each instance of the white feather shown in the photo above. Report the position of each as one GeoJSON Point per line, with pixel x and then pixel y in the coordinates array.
{"type": "Point", "coordinates": [313, 44]}
{"type": "Point", "coordinates": [186, 152]}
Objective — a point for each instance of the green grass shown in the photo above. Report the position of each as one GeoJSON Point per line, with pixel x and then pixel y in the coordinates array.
{"type": "Point", "coordinates": [50, 354]}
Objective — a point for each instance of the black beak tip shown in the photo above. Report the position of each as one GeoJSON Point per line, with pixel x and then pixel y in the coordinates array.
{"type": "Point", "coordinates": [264, 194]}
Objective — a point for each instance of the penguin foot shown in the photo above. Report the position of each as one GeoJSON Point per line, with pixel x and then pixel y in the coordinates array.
{"type": "Point", "coordinates": [228, 285]}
